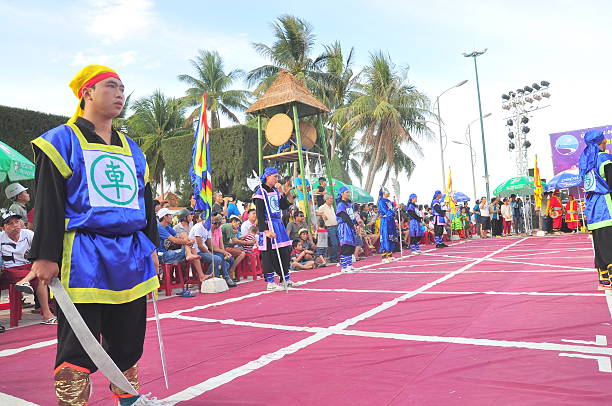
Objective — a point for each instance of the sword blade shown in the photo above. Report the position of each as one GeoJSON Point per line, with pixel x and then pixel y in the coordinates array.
{"type": "Point", "coordinates": [90, 344]}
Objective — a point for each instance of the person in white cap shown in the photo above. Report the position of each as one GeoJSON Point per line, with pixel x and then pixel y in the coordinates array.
{"type": "Point", "coordinates": [20, 197]}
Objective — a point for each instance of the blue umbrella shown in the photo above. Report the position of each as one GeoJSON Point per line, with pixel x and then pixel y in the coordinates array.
{"type": "Point", "coordinates": [564, 180]}
{"type": "Point", "coordinates": [459, 197]}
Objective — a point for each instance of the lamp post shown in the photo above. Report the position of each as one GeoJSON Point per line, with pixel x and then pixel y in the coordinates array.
{"type": "Point", "coordinates": [468, 137]}
{"type": "Point", "coordinates": [474, 55]}
{"type": "Point", "coordinates": [463, 82]}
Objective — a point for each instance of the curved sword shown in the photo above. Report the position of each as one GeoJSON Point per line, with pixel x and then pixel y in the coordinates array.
{"type": "Point", "coordinates": [90, 344]}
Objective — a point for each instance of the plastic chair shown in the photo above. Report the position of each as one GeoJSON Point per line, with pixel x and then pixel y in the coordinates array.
{"type": "Point", "coordinates": [171, 277]}
{"type": "Point", "coordinates": [250, 266]}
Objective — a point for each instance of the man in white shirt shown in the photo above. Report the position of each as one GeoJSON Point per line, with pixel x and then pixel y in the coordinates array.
{"type": "Point", "coordinates": [203, 245]}
{"type": "Point", "coordinates": [249, 222]}
{"type": "Point", "coordinates": [15, 243]}
{"type": "Point", "coordinates": [327, 212]}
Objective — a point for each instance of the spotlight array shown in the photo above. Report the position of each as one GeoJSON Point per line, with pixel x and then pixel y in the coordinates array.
{"type": "Point", "coordinates": [521, 103]}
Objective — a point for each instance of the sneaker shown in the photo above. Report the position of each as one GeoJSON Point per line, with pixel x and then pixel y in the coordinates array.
{"type": "Point", "coordinates": [24, 287]}
{"type": "Point", "coordinates": [443, 245]}
{"type": "Point", "coordinates": [290, 283]}
{"type": "Point", "coordinates": [230, 283]}
{"type": "Point", "coordinates": [273, 286]}
{"type": "Point", "coordinates": [440, 245]}
{"type": "Point", "coordinates": [348, 269]}
{"type": "Point", "coordinates": [419, 252]}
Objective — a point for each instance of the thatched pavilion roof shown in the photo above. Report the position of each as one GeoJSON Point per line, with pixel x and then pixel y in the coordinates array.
{"type": "Point", "coordinates": [286, 89]}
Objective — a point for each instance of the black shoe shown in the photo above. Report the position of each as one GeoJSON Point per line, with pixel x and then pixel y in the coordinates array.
{"type": "Point", "coordinates": [443, 245]}
{"type": "Point", "coordinates": [440, 245]}
{"type": "Point", "coordinates": [230, 283]}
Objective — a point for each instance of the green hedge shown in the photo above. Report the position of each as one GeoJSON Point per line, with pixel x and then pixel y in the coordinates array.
{"type": "Point", "coordinates": [17, 128]}
{"type": "Point", "coordinates": [234, 157]}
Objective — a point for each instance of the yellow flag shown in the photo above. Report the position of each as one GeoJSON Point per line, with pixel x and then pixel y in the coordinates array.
{"type": "Point", "coordinates": [537, 183]}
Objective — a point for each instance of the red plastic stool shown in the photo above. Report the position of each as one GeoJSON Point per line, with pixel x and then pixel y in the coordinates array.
{"type": "Point", "coordinates": [250, 266]}
{"type": "Point", "coordinates": [171, 277]}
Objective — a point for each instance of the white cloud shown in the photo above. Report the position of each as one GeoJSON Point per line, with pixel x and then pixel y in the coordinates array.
{"type": "Point", "coordinates": [122, 59]}
{"type": "Point", "coordinates": [116, 20]}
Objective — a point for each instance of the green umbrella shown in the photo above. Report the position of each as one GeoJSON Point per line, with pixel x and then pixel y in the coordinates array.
{"type": "Point", "coordinates": [358, 195]}
{"type": "Point", "coordinates": [519, 185]}
{"type": "Point", "coordinates": [13, 165]}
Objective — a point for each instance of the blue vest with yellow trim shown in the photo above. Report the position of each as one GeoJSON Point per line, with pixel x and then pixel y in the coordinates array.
{"type": "Point", "coordinates": [106, 258]}
{"type": "Point", "coordinates": [598, 203]}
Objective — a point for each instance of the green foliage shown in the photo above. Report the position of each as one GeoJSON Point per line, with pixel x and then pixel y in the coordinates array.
{"type": "Point", "coordinates": [234, 156]}
{"type": "Point", "coordinates": [17, 128]}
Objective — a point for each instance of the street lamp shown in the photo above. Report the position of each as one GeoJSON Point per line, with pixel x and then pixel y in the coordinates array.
{"type": "Point", "coordinates": [463, 82]}
{"type": "Point", "coordinates": [476, 54]}
{"type": "Point", "coordinates": [468, 136]}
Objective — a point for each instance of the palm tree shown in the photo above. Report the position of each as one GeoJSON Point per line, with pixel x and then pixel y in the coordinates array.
{"type": "Point", "coordinates": [290, 51]}
{"type": "Point", "coordinates": [339, 90]}
{"type": "Point", "coordinates": [346, 161]}
{"type": "Point", "coordinates": [155, 119]}
{"type": "Point", "coordinates": [212, 79]}
{"type": "Point", "coordinates": [386, 110]}
{"type": "Point", "coordinates": [400, 162]}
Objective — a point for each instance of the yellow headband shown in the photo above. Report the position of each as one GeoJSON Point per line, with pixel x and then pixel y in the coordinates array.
{"type": "Point", "coordinates": [87, 77]}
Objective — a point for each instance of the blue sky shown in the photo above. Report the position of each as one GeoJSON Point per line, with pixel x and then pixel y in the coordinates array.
{"type": "Point", "coordinates": [150, 42]}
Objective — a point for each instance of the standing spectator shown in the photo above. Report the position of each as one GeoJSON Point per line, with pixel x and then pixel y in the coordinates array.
{"type": "Point", "coordinates": [518, 217]}
{"type": "Point", "coordinates": [506, 212]}
{"type": "Point", "coordinates": [15, 243]}
{"type": "Point", "coordinates": [322, 240]}
{"type": "Point", "coordinates": [249, 222]}
{"type": "Point", "coordinates": [300, 194]}
{"type": "Point", "coordinates": [246, 206]}
{"type": "Point", "coordinates": [18, 194]}
{"type": "Point", "coordinates": [226, 258]}
{"type": "Point", "coordinates": [485, 217]}
{"type": "Point", "coordinates": [185, 222]}
{"type": "Point", "coordinates": [219, 205]}
{"type": "Point", "coordinates": [496, 223]}
{"type": "Point", "coordinates": [571, 214]}
{"type": "Point", "coordinates": [476, 217]}
{"type": "Point", "coordinates": [232, 243]}
{"type": "Point", "coordinates": [555, 211]}
{"type": "Point", "coordinates": [328, 214]}
{"type": "Point", "coordinates": [320, 193]}
{"type": "Point", "coordinates": [295, 225]}
{"type": "Point", "coordinates": [232, 209]}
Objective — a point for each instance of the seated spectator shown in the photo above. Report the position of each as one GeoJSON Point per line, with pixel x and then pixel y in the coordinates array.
{"type": "Point", "coordinates": [185, 222]}
{"type": "Point", "coordinates": [250, 239]}
{"type": "Point", "coordinates": [249, 222]}
{"type": "Point", "coordinates": [295, 225]}
{"type": "Point", "coordinates": [429, 228]}
{"type": "Point", "coordinates": [309, 248]}
{"type": "Point", "coordinates": [219, 249]}
{"type": "Point", "coordinates": [297, 257]}
{"type": "Point", "coordinates": [18, 194]}
{"type": "Point", "coordinates": [232, 243]}
{"type": "Point", "coordinates": [174, 247]}
{"type": "Point", "coordinates": [246, 206]}
{"type": "Point", "coordinates": [203, 247]}
{"type": "Point", "coordinates": [15, 243]}
{"type": "Point", "coordinates": [219, 205]}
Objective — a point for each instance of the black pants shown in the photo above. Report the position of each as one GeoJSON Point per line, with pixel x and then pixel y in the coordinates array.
{"type": "Point", "coordinates": [439, 230]}
{"type": "Point", "coordinates": [347, 249]}
{"type": "Point", "coordinates": [415, 240]}
{"type": "Point", "coordinates": [122, 327]}
{"type": "Point", "coordinates": [602, 242]}
{"type": "Point", "coordinates": [269, 260]}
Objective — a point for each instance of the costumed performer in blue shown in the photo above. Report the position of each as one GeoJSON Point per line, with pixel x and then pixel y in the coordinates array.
{"type": "Point", "coordinates": [415, 229]}
{"type": "Point", "coordinates": [96, 227]}
{"type": "Point", "coordinates": [595, 166]}
{"type": "Point", "coordinates": [346, 229]}
{"type": "Point", "coordinates": [439, 219]}
{"type": "Point", "coordinates": [277, 200]}
{"type": "Point", "coordinates": [388, 230]}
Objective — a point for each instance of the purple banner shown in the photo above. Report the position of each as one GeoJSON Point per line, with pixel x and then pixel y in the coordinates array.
{"type": "Point", "coordinates": [567, 146]}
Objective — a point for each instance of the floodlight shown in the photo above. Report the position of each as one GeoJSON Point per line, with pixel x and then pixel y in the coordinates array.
{"type": "Point", "coordinates": [528, 99]}
{"type": "Point", "coordinates": [509, 122]}
{"type": "Point", "coordinates": [537, 97]}
{"type": "Point", "coordinates": [544, 83]}
{"type": "Point", "coordinates": [511, 135]}
{"type": "Point", "coordinates": [545, 94]}
{"type": "Point", "coordinates": [526, 144]}
{"type": "Point", "coordinates": [528, 89]}
{"type": "Point", "coordinates": [505, 106]}
{"type": "Point", "coordinates": [505, 97]}
{"type": "Point", "coordinates": [536, 86]}
{"type": "Point", "coordinates": [524, 120]}
{"type": "Point", "coordinates": [511, 145]}
{"type": "Point", "coordinates": [525, 129]}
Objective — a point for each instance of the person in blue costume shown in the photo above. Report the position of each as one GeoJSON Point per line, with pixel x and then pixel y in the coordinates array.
{"type": "Point", "coordinates": [388, 230]}
{"type": "Point", "coordinates": [272, 235]}
{"type": "Point", "coordinates": [439, 218]}
{"type": "Point", "coordinates": [346, 229]}
{"type": "Point", "coordinates": [595, 166]}
{"type": "Point", "coordinates": [96, 229]}
{"type": "Point", "coordinates": [415, 230]}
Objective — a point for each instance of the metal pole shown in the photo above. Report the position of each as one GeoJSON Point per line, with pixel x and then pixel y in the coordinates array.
{"type": "Point", "coordinates": [259, 144]}
{"type": "Point", "coordinates": [441, 147]}
{"type": "Point", "coordinates": [298, 139]}
{"type": "Point", "coordinates": [472, 156]}
{"type": "Point", "coordinates": [484, 148]}
{"type": "Point", "coordinates": [327, 164]}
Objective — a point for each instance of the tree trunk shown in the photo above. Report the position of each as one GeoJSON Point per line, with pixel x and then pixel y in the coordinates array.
{"type": "Point", "coordinates": [332, 142]}
{"type": "Point", "coordinates": [375, 164]}
{"type": "Point", "coordinates": [387, 174]}
{"type": "Point", "coordinates": [161, 183]}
